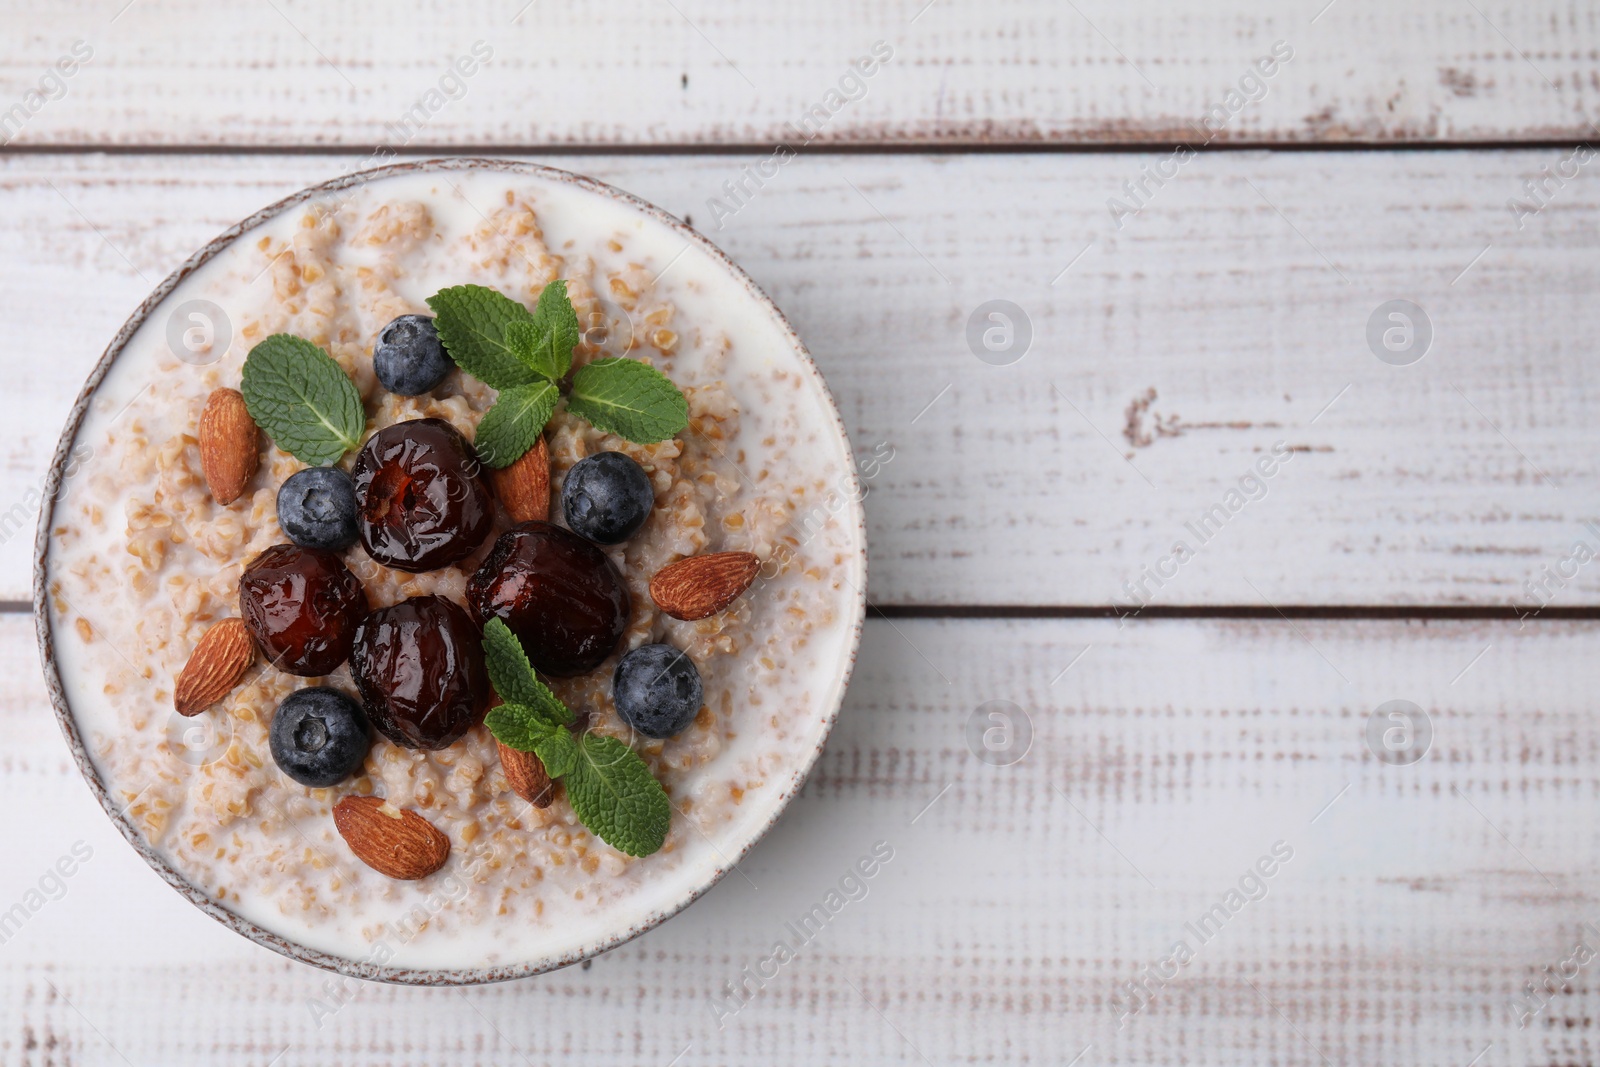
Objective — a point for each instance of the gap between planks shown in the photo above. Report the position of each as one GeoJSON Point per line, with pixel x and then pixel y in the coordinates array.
{"type": "Point", "coordinates": [909, 147]}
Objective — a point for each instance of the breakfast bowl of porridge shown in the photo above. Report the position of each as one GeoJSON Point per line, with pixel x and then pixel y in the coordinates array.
{"type": "Point", "coordinates": [450, 572]}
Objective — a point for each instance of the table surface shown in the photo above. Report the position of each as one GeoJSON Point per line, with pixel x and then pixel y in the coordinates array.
{"type": "Point", "coordinates": [1201, 210]}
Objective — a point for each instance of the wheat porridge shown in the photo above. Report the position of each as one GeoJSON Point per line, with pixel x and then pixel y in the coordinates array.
{"type": "Point", "coordinates": [146, 560]}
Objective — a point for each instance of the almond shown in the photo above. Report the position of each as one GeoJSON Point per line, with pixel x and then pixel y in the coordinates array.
{"type": "Point", "coordinates": [701, 586]}
{"type": "Point", "coordinates": [400, 844]}
{"type": "Point", "coordinates": [527, 777]}
{"type": "Point", "coordinates": [230, 448]}
{"type": "Point", "coordinates": [218, 662]}
{"type": "Point", "coordinates": [524, 487]}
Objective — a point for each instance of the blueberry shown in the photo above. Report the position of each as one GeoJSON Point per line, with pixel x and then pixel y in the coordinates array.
{"type": "Point", "coordinates": [319, 736]}
{"type": "Point", "coordinates": [607, 497]}
{"type": "Point", "coordinates": [657, 690]}
{"type": "Point", "coordinates": [317, 508]}
{"type": "Point", "coordinates": [409, 359]}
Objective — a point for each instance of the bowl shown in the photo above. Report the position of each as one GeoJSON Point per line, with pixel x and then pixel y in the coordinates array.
{"type": "Point", "coordinates": [159, 330]}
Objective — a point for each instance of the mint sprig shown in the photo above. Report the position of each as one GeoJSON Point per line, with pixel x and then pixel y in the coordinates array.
{"type": "Point", "coordinates": [526, 355]}
{"type": "Point", "coordinates": [545, 342]}
{"type": "Point", "coordinates": [609, 785]}
{"type": "Point", "coordinates": [303, 399]}
{"type": "Point", "coordinates": [512, 676]}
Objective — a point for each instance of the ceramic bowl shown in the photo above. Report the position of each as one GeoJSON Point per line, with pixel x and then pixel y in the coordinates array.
{"type": "Point", "coordinates": [656, 903]}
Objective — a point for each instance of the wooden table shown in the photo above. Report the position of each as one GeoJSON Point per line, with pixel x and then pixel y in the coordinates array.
{"type": "Point", "coordinates": [1184, 725]}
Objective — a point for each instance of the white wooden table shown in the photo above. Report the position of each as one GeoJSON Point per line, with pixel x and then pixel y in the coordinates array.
{"type": "Point", "coordinates": [1417, 544]}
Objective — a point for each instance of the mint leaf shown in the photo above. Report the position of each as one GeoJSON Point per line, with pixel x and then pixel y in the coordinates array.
{"type": "Point", "coordinates": [512, 677]}
{"type": "Point", "coordinates": [513, 425]}
{"type": "Point", "coordinates": [303, 399]}
{"type": "Point", "coordinates": [558, 753]}
{"type": "Point", "coordinates": [630, 399]}
{"type": "Point", "coordinates": [614, 794]}
{"type": "Point", "coordinates": [523, 337]}
{"type": "Point", "coordinates": [546, 342]}
{"type": "Point", "coordinates": [472, 321]}
{"type": "Point", "coordinates": [521, 727]}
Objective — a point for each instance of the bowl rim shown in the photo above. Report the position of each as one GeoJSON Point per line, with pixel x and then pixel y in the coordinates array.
{"type": "Point", "coordinates": [42, 614]}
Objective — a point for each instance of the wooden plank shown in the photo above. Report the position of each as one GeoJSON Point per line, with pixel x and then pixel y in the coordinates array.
{"type": "Point", "coordinates": [640, 72]}
{"type": "Point", "coordinates": [1164, 762]}
{"type": "Point", "coordinates": [1239, 298]}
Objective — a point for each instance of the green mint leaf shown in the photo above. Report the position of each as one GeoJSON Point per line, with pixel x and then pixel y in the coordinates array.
{"type": "Point", "coordinates": [523, 337]}
{"type": "Point", "coordinates": [558, 753]}
{"type": "Point", "coordinates": [614, 794]}
{"type": "Point", "coordinates": [630, 399]}
{"type": "Point", "coordinates": [513, 425]}
{"type": "Point", "coordinates": [472, 321]}
{"type": "Point", "coordinates": [512, 677]}
{"type": "Point", "coordinates": [546, 341]}
{"type": "Point", "coordinates": [520, 727]}
{"type": "Point", "coordinates": [557, 323]}
{"type": "Point", "coordinates": [303, 399]}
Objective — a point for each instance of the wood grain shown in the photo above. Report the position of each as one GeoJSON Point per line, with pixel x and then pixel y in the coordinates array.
{"type": "Point", "coordinates": [1227, 317]}
{"type": "Point", "coordinates": [1166, 758]}
{"type": "Point", "coordinates": [639, 72]}
{"type": "Point", "coordinates": [1183, 327]}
